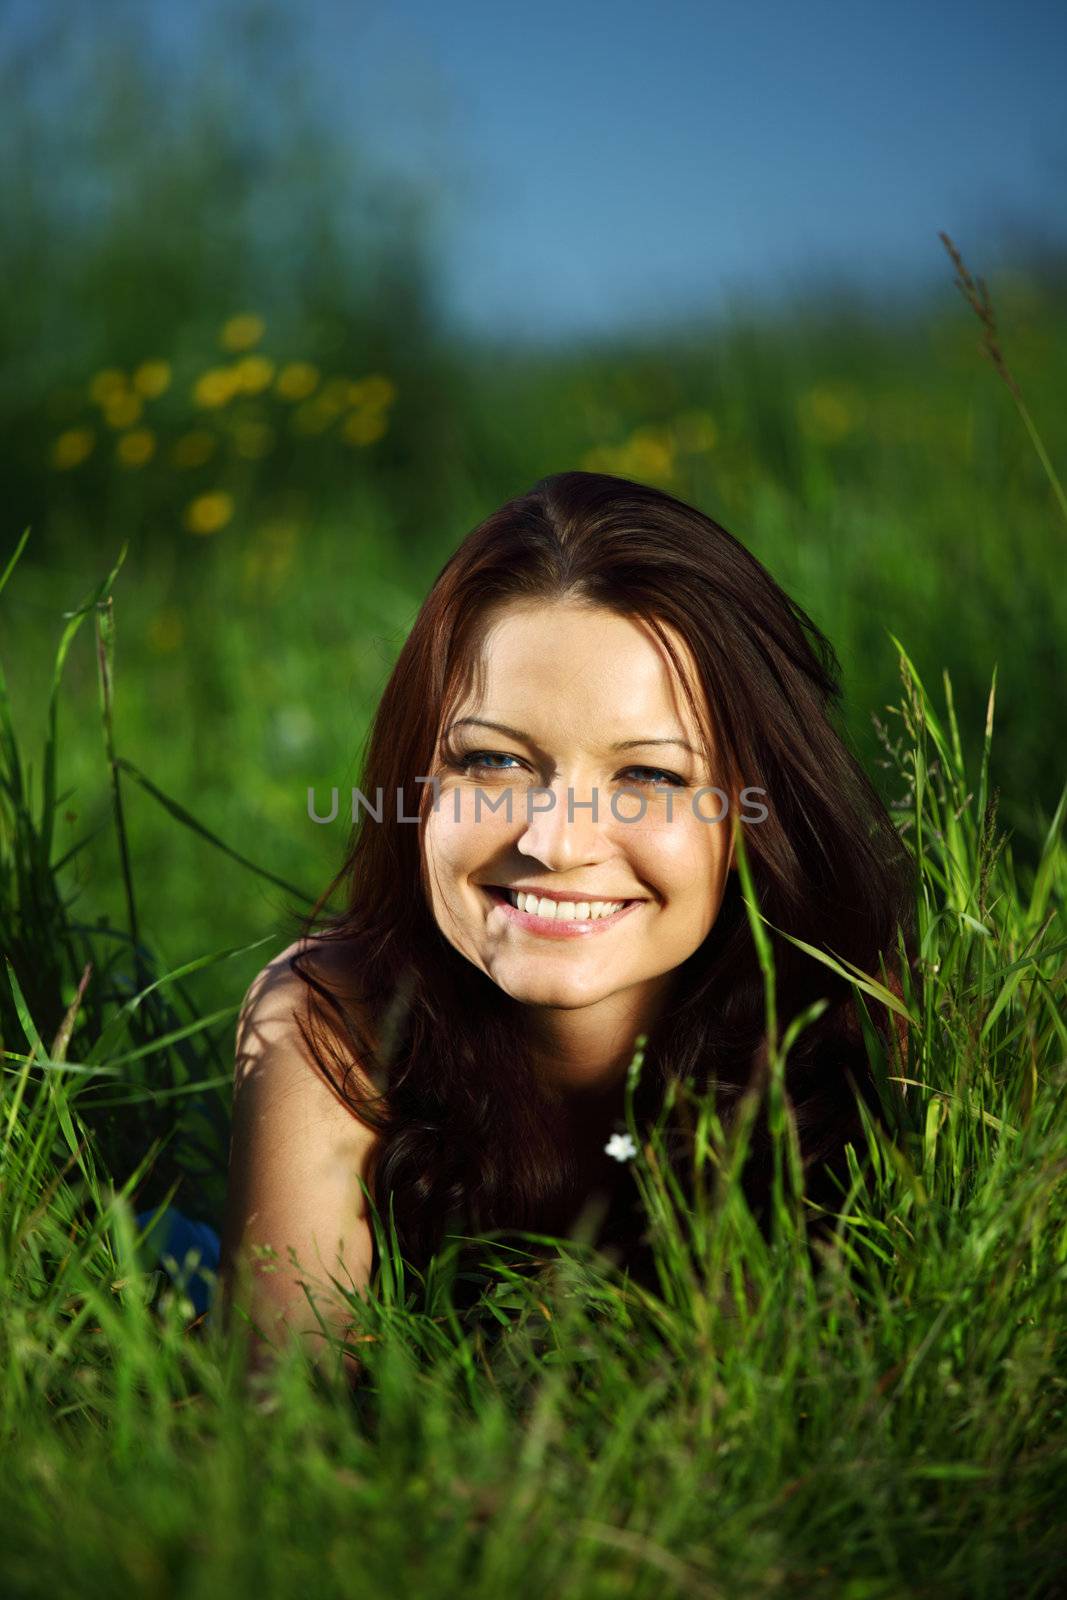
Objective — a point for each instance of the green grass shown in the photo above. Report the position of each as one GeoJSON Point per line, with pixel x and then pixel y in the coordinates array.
{"type": "Point", "coordinates": [885, 1418]}
{"type": "Point", "coordinates": [886, 1421]}
{"type": "Point", "coordinates": [876, 467]}
{"type": "Point", "coordinates": [883, 1415]}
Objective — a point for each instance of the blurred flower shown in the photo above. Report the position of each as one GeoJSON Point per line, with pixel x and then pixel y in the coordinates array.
{"type": "Point", "coordinates": [294, 727]}
{"type": "Point", "coordinates": [137, 447]}
{"type": "Point", "coordinates": [242, 332]}
{"type": "Point", "coordinates": [166, 630]}
{"type": "Point", "coordinates": [374, 390]}
{"type": "Point", "coordinates": [215, 387]}
{"type": "Point", "coordinates": [209, 512]}
{"type": "Point", "coordinates": [123, 410]}
{"type": "Point", "coordinates": [71, 448]}
{"type": "Point", "coordinates": [252, 374]}
{"type": "Point", "coordinates": [106, 385]}
{"type": "Point", "coordinates": [695, 430]}
{"type": "Point", "coordinates": [332, 399]}
{"type": "Point", "coordinates": [194, 448]}
{"type": "Point", "coordinates": [268, 560]}
{"type": "Point", "coordinates": [621, 1146]}
{"type": "Point", "coordinates": [280, 534]}
{"type": "Point", "coordinates": [253, 440]}
{"type": "Point", "coordinates": [152, 379]}
{"type": "Point", "coordinates": [364, 427]}
{"type": "Point", "coordinates": [297, 380]}
{"type": "Point", "coordinates": [649, 453]}
{"type": "Point", "coordinates": [827, 413]}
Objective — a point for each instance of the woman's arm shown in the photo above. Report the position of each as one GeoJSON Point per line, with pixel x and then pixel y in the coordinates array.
{"type": "Point", "coordinates": [295, 1153]}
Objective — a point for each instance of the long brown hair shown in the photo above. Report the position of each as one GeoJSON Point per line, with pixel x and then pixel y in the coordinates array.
{"type": "Point", "coordinates": [468, 1141]}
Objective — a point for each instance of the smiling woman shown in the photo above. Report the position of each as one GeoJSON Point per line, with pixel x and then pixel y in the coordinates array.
{"type": "Point", "coordinates": [600, 684]}
{"type": "Point", "coordinates": [575, 694]}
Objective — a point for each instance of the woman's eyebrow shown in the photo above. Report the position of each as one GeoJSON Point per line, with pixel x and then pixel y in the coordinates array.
{"type": "Point", "coordinates": [516, 733]}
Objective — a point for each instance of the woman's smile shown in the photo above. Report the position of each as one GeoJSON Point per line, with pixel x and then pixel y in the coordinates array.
{"type": "Point", "coordinates": [531, 970]}
{"type": "Point", "coordinates": [560, 859]}
{"type": "Point", "coordinates": [551, 917]}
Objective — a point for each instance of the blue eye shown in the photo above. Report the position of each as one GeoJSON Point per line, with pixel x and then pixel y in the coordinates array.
{"type": "Point", "coordinates": [659, 776]}
{"type": "Point", "coordinates": [478, 761]}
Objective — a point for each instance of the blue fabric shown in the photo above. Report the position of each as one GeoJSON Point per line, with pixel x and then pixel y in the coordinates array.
{"type": "Point", "coordinates": [174, 1235]}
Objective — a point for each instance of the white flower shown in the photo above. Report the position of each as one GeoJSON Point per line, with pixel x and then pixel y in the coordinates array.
{"type": "Point", "coordinates": [621, 1146]}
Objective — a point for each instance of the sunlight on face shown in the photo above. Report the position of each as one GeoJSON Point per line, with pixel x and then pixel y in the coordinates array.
{"type": "Point", "coordinates": [572, 681]}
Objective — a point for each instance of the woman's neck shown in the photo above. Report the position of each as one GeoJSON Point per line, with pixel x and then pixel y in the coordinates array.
{"type": "Point", "coordinates": [581, 1054]}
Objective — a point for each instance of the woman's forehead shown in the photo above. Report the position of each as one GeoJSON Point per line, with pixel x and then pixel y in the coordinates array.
{"type": "Point", "coordinates": [597, 634]}
{"type": "Point", "coordinates": [588, 661]}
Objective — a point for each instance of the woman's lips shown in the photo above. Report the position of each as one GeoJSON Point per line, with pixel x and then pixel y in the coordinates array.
{"type": "Point", "coordinates": [549, 927]}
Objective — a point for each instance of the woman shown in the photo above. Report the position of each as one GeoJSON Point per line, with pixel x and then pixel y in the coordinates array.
{"type": "Point", "coordinates": [541, 869]}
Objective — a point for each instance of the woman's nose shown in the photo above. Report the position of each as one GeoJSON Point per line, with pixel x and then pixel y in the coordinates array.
{"type": "Point", "coordinates": [563, 824]}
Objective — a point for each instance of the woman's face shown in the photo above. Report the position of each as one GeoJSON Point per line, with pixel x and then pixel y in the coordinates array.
{"type": "Point", "coordinates": [572, 684]}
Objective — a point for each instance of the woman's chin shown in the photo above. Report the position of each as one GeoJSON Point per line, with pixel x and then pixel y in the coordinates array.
{"type": "Point", "coordinates": [542, 989]}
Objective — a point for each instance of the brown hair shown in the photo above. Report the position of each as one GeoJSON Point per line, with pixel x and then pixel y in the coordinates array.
{"type": "Point", "coordinates": [468, 1141]}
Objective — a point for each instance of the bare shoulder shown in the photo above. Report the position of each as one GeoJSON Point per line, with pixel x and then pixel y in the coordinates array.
{"type": "Point", "coordinates": [278, 996]}
{"type": "Point", "coordinates": [279, 1082]}
{"type": "Point", "coordinates": [297, 1149]}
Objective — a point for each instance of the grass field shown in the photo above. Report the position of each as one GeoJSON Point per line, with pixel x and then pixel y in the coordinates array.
{"type": "Point", "coordinates": [889, 1423]}
{"type": "Point", "coordinates": [878, 468]}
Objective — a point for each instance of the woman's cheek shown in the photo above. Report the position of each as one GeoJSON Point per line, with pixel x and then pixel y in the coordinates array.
{"type": "Point", "coordinates": [458, 836]}
{"type": "Point", "coordinates": [673, 844]}
{"type": "Point", "coordinates": [445, 845]}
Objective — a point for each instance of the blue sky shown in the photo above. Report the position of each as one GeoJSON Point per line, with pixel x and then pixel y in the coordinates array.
{"type": "Point", "coordinates": [597, 163]}
{"type": "Point", "coordinates": [602, 162]}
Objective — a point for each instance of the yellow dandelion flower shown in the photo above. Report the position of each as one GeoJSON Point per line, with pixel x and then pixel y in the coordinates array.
{"type": "Point", "coordinates": [242, 332]}
{"type": "Point", "coordinates": [123, 411]}
{"type": "Point", "coordinates": [166, 631]}
{"type": "Point", "coordinates": [270, 557]}
{"type": "Point", "coordinates": [827, 413]}
{"type": "Point", "coordinates": [152, 379]}
{"type": "Point", "coordinates": [71, 448]}
{"type": "Point", "coordinates": [374, 390]}
{"type": "Point", "coordinates": [364, 427]}
{"type": "Point", "coordinates": [209, 512]}
{"type": "Point", "coordinates": [253, 440]}
{"type": "Point", "coordinates": [215, 387]}
{"type": "Point", "coordinates": [193, 449]}
{"type": "Point", "coordinates": [330, 401]}
{"type": "Point", "coordinates": [252, 374]}
{"type": "Point", "coordinates": [136, 447]}
{"type": "Point", "coordinates": [107, 385]}
{"type": "Point", "coordinates": [280, 535]}
{"type": "Point", "coordinates": [695, 430]}
{"type": "Point", "coordinates": [297, 380]}
{"type": "Point", "coordinates": [649, 453]}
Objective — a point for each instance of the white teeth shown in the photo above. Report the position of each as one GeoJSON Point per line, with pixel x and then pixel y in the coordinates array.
{"type": "Point", "coordinates": [564, 910]}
